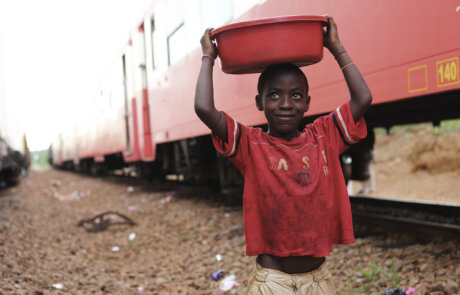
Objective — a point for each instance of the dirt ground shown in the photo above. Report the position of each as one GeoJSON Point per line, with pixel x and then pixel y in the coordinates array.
{"type": "Point", "coordinates": [183, 234]}
{"type": "Point", "coordinates": [418, 164]}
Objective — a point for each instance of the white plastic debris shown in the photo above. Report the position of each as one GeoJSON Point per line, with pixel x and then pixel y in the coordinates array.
{"type": "Point", "coordinates": [75, 195]}
{"type": "Point", "coordinates": [140, 288]}
{"type": "Point", "coordinates": [58, 286]}
{"type": "Point", "coordinates": [55, 182]}
{"type": "Point", "coordinates": [132, 208]}
{"type": "Point", "coordinates": [166, 199]}
{"type": "Point", "coordinates": [129, 189]}
{"type": "Point", "coordinates": [227, 215]}
{"type": "Point", "coordinates": [132, 236]}
{"type": "Point", "coordinates": [115, 249]}
{"type": "Point", "coordinates": [218, 257]}
{"type": "Point", "coordinates": [228, 283]}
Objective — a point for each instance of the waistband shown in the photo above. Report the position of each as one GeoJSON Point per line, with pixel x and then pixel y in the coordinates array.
{"type": "Point", "coordinates": [317, 275]}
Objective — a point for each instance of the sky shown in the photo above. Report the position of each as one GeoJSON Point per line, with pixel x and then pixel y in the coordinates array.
{"type": "Point", "coordinates": [52, 56]}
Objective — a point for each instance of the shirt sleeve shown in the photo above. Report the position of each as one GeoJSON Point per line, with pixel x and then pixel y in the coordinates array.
{"type": "Point", "coordinates": [340, 128]}
{"type": "Point", "coordinates": [235, 149]}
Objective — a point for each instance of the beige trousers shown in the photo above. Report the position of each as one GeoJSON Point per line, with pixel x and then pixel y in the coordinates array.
{"type": "Point", "coordinates": [267, 281]}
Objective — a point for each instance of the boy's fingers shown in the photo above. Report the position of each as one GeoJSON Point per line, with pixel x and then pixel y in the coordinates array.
{"type": "Point", "coordinates": [329, 21]}
{"type": "Point", "coordinates": [207, 31]}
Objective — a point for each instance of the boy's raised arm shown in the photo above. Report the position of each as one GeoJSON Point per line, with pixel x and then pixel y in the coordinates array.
{"type": "Point", "coordinates": [204, 94]}
{"type": "Point", "coordinates": [360, 95]}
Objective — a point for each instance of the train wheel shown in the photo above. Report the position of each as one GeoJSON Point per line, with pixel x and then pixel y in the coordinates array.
{"type": "Point", "coordinates": [96, 169]}
{"type": "Point", "coordinates": [346, 163]}
{"type": "Point", "coordinates": [230, 179]}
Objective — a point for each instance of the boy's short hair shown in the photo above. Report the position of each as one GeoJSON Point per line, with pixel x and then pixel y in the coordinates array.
{"type": "Point", "coordinates": [270, 70]}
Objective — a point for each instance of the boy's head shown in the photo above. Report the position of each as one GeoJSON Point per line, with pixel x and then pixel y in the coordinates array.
{"type": "Point", "coordinates": [283, 96]}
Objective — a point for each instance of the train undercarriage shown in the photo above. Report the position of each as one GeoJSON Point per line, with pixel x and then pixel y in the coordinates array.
{"type": "Point", "coordinates": [195, 160]}
{"type": "Point", "coordinates": [12, 164]}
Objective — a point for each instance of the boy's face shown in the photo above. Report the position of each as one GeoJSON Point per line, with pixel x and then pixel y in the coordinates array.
{"type": "Point", "coordinates": [284, 101]}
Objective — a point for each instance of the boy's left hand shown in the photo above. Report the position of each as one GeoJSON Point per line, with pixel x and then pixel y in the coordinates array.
{"type": "Point", "coordinates": [331, 36]}
{"type": "Point", "coordinates": [207, 46]}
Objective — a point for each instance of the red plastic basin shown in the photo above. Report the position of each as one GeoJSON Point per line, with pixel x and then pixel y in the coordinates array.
{"type": "Point", "coordinates": [249, 47]}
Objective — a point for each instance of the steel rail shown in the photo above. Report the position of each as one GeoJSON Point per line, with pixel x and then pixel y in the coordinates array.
{"type": "Point", "coordinates": [426, 220]}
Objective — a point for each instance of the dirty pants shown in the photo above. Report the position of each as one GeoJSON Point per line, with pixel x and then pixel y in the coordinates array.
{"type": "Point", "coordinates": [266, 281]}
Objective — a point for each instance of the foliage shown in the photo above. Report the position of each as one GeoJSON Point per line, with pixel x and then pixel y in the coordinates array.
{"type": "Point", "coordinates": [39, 158]}
{"type": "Point", "coordinates": [447, 126]}
{"type": "Point", "coordinates": [371, 278]}
{"type": "Point", "coordinates": [444, 127]}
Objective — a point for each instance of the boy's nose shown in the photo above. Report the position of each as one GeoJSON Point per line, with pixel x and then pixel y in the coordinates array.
{"type": "Point", "coordinates": [286, 102]}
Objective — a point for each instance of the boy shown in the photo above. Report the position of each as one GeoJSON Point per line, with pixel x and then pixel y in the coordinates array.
{"type": "Point", "coordinates": [295, 203]}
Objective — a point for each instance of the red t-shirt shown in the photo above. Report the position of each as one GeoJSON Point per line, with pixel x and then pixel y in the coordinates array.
{"type": "Point", "coordinates": [295, 200]}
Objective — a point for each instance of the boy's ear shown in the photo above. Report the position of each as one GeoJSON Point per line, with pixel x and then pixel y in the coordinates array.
{"type": "Point", "coordinates": [307, 105]}
{"type": "Point", "coordinates": [259, 105]}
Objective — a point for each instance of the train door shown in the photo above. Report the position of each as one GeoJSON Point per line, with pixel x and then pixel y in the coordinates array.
{"type": "Point", "coordinates": [147, 136]}
{"type": "Point", "coordinates": [130, 81]}
{"type": "Point", "coordinates": [60, 147]}
{"type": "Point", "coordinates": [126, 109]}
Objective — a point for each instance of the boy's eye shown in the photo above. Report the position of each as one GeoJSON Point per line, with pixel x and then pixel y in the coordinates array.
{"type": "Point", "coordinates": [297, 95]}
{"type": "Point", "coordinates": [274, 95]}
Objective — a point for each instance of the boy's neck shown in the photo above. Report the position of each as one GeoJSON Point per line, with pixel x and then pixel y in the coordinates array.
{"type": "Point", "coordinates": [286, 137]}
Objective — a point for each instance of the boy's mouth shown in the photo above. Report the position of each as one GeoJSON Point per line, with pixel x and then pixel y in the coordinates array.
{"type": "Point", "coordinates": [285, 115]}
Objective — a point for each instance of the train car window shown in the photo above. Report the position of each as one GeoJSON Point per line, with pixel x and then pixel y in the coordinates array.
{"type": "Point", "coordinates": [215, 13]}
{"type": "Point", "coordinates": [100, 101]}
{"type": "Point", "coordinates": [175, 15]}
{"type": "Point", "coordinates": [177, 47]}
{"type": "Point", "coordinates": [152, 38]}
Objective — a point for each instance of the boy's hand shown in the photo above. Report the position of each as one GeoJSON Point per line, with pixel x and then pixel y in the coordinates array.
{"type": "Point", "coordinates": [331, 37]}
{"type": "Point", "coordinates": [206, 44]}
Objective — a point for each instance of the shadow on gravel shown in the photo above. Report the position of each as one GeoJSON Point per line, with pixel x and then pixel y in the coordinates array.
{"type": "Point", "coordinates": [180, 190]}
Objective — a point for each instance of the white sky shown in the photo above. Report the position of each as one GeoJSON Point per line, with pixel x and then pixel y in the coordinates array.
{"type": "Point", "coordinates": [54, 55]}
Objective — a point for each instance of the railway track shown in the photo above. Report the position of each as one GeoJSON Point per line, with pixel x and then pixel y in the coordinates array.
{"type": "Point", "coordinates": [426, 220]}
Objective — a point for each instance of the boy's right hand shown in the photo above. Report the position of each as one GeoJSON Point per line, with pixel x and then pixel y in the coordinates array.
{"type": "Point", "coordinates": [206, 44]}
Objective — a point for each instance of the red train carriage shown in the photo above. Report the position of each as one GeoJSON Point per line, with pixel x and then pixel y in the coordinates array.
{"type": "Point", "coordinates": [408, 52]}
